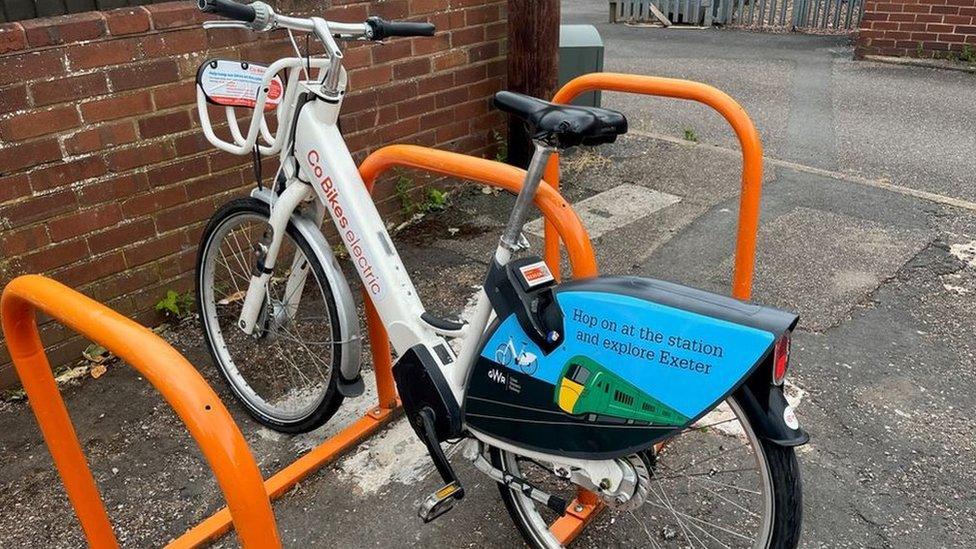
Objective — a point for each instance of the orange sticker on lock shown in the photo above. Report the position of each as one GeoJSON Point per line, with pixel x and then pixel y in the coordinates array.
{"type": "Point", "coordinates": [536, 274]}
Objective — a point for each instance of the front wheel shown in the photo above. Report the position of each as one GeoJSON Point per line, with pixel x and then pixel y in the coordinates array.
{"type": "Point", "coordinates": [285, 372]}
{"type": "Point", "coordinates": [714, 484]}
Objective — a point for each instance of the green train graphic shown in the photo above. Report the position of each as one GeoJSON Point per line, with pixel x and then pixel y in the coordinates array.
{"type": "Point", "coordinates": [586, 387]}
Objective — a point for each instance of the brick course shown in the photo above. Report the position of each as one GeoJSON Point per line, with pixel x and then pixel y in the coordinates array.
{"type": "Point", "coordinates": [105, 177]}
{"type": "Point", "coordinates": [917, 28]}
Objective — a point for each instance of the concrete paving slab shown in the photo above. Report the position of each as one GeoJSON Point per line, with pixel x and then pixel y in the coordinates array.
{"type": "Point", "coordinates": [828, 262]}
{"type": "Point", "coordinates": [613, 209]}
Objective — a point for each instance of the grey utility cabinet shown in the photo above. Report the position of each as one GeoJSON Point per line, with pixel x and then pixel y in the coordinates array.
{"type": "Point", "coordinates": [580, 52]}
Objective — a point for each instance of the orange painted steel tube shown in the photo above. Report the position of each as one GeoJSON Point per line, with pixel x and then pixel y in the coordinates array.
{"type": "Point", "coordinates": [745, 247]}
{"type": "Point", "coordinates": [379, 342]}
{"type": "Point", "coordinates": [282, 481]}
{"type": "Point", "coordinates": [578, 515]}
{"type": "Point", "coordinates": [178, 382]}
{"type": "Point", "coordinates": [553, 207]}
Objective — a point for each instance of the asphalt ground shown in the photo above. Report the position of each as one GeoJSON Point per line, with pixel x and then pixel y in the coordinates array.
{"type": "Point", "coordinates": [882, 277]}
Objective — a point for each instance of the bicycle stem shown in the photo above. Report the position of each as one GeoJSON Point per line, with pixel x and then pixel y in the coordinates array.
{"type": "Point", "coordinates": [330, 84]}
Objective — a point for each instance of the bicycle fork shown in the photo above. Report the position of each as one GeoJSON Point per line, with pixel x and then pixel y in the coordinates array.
{"type": "Point", "coordinates": [266, 254]}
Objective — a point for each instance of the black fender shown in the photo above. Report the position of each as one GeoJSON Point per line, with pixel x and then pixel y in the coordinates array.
{"type": "Point", "coordinates": [765, 406]}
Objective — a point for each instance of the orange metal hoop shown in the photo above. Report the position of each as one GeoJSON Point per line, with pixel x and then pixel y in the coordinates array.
{"type": "Point", "coordinates": [745, 247]}
{"type": "Point", "coordinates": [177, 381]}
{"type": "Point", "coordinates": [556, 210]}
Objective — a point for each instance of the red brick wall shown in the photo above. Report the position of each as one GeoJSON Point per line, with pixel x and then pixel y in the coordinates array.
{"type": "Point", "coordinates": [105, 177]}
{"type": "Point", "coordinates": [917, 28]}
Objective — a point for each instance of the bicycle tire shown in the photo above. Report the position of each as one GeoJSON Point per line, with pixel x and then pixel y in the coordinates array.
{"type": "Point", "coordinates": [330, 399]}
{"type": "Point", "coordinates": [785, 482]}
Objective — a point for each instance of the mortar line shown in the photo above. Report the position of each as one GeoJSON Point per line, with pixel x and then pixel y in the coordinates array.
{"type": "Point", "coordinates": [849, 178]}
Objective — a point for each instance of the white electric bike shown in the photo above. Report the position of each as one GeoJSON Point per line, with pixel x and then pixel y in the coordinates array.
{"type": "Point", "coordinates": [678, 444]}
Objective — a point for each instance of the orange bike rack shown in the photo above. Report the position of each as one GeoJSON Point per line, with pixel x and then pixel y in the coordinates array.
{"type": "Point", "coordinates": [179, 383]}
{"type": "Point", "coordinates": [567, 226]}
{"type": "Point", "coordinates": [586, 506]}
{"type": "Point", "coordinates": [745, 247]}
{"type": "Point", "coordinates": [209, 422]}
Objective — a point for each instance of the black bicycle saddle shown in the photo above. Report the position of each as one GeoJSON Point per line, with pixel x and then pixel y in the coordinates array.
{"type": "Point", "coordinates": [563, 125]}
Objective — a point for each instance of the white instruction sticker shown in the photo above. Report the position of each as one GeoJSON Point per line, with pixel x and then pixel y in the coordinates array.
{"type": "Point", "coordinates": [237, 83]}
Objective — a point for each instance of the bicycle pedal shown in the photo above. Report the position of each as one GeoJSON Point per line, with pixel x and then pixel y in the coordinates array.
{"type": "Point", "coordinates": [440, 501]}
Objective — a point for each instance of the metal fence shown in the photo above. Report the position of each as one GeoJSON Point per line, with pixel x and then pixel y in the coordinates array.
{"type": "Point", "coordinates": [800, 14]}
{"type": "Point", "coordinates": [813, 15]}
{"type": "Point", "coordinates": [689, 12]}
{"type": "Point", "coordinates": [19, 10]}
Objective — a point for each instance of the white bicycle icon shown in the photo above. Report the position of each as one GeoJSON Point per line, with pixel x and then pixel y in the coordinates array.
{"type": "Point", "coordinates": [527, 362]}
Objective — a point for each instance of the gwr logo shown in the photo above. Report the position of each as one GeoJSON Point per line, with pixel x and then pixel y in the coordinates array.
{"type": "Point", "coordinates": [496, 375]}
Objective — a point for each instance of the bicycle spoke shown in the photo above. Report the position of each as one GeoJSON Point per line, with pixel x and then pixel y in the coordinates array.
{"type": "Point", "coordinates": [698, 520]}
{"type": "Point", "coordinates": [707, 473]}
{"type": "Point", "coordinates": [732, 486]}
{"type": "Point", "coordinates": [315, 360]}
{"type": "Point", "coordinates": [707, 533]}
{"type": "Point", "coordinates": [711, 457]}
{"type": "Point", "coordinates": [720, 496]}
{"type": "Point", "coordinates": [667, 506]}
{"type": "Point", "coordinates": [236, 256]}
{"type": "Point", "coordinates": [229, 270]}
{"type": "Point", "coordinates": [647, 532]}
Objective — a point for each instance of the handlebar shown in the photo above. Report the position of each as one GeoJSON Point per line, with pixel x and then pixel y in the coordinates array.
{"type": "Point", "coordinates": [229, 9]}
{"type": "Point", "coordinates": [378, 29]}
{"type": "Point", "coordinates": [260, 16]}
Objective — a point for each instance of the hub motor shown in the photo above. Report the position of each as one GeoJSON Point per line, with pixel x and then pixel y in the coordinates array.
{"type": "Point", "coordinates": [632, 489]}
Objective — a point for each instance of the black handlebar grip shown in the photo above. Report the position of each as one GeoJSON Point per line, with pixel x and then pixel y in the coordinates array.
{"type": "Point", "coordinates": [386, 29]}
{"type": "Point", "coordinates": [229, 9]}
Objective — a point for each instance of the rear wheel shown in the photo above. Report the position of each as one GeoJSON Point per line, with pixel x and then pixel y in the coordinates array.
{"type": "Point", "coordinates": [285, 372]}
{"type": "Point", "coordinates": [714, 484]}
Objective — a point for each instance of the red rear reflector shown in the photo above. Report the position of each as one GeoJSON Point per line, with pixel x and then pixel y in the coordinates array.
{"type": "Point", "coordinates": [781, 358]}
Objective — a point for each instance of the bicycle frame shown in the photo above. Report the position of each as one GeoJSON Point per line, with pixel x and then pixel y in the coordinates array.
{"type": "Point", "coordinates": [320, 155]}
{"type": "Point", "coordinates": [318, 166]}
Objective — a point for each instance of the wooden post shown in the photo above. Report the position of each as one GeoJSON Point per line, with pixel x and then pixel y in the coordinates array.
{"type": "Point", "coordinates": [533, 63]}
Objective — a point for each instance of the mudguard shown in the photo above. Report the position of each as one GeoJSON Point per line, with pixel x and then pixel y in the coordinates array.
{"type": "Point", "coordinates": [636, 361]}
{"type": "Point", "coordinates": [768, 410]}
{"type": "Point", "coordinates": [350, 381]}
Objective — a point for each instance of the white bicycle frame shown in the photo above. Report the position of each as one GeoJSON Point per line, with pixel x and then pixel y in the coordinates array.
{"type": "Point", "coordinates": [318, 166]}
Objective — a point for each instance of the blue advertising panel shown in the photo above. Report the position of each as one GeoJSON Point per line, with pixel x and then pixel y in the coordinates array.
{"type": "Point", "coordinates": [636, 361]}
{"type": "Point", "coordinates": [684, 360]}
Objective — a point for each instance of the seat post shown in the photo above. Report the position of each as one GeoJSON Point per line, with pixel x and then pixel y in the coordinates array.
{"type": "Point", "coordinates": [512, 240]}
